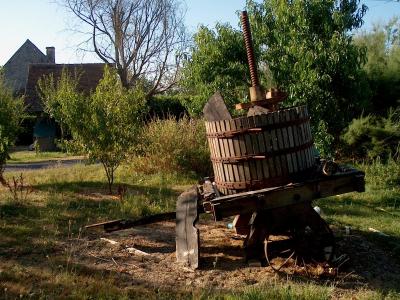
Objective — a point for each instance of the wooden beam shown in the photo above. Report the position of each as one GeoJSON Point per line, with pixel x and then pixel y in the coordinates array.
{"type": "Point", "coordinates": [271, 198]}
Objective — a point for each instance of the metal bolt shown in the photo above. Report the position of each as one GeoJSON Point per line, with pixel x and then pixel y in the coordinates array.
{"type": "Point", "coordinates": [249, 49]}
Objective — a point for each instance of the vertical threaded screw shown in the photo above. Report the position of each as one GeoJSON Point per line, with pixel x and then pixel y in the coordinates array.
{"type": "Point", "coordinates": [249, 49]}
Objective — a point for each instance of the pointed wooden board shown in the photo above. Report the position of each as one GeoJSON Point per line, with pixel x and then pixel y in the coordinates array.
{"type": "Point", "coordinates": [187, 235]}
{"type": "Point", "coordinates": [215, 109]}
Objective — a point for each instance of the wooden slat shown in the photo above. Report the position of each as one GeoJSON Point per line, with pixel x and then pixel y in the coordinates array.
{"type": "Point", "coordinates": [281, 135]}
{"type": "Point", "coordinates": [287, 142]}
{"type": "Point", "coordinates": [268, 140]}
{"type": "Point", "coordinates": [261, 120]}
{"type": "Point", "coordinates": [244, 148]}
{"type": "Point", "coordinates": [302, 138]}
{"type": "Point", "coordinates": [250, 148]}
{"type": "Point", "coordinates": [232, 150]}
{"type": "Point", "coordinates": [240, 142]}
{"type": "Point", "coordinates": [275, 147]}
{"type": "Point", "coordinates": [211, 145]}
{"type": "Point", "coordinates": [219, 175]}
{"type": "Point", "coordinates": [227, 167]}
{"type": "Point", "coordinates": [295, 162]}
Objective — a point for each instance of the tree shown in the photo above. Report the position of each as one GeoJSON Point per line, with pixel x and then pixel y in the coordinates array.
{"type": "Point", "coordinates": [382, 44]}
{"type": "Point", "coordinates": [143, 38]}
{"type": "Point", "coordinates": [104, 125]}
{"type": "Point", "coordinates": [217, 61]}
{"type": "Point", "coordinates": [56, 94]}
{"type": "Point", "coordinates": [310, 52]}
{"type": "Point", "coordinates": [11, 117]}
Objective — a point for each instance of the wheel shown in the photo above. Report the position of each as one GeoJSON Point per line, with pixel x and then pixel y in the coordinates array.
{"type": "Point", "coordinates": [309, 241]}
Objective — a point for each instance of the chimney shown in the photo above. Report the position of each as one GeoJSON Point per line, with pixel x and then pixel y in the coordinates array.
{"type": "Point", "coordinates": [51, 54]}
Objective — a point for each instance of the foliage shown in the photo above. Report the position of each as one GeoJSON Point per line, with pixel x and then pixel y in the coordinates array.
{"type": "Point", "coordinates": [11, 116]}
{"type": "Point", "coordinates": [172, 145]}
{"type": "Point", "coordinates": [217, 62]}
{"type": "Point", "coordinates": [323, 140]}
{"type": "Point", "coordinates": [382, 174]}
{"type": "Point", "coordinates": [383, 64]}
{"type": "Point", "coordinates": [103, 126]}
{"type": "Point", "coordinates": [309, 50]}
{"type": "Point", "coordinates": [162, 106]}
{"type": "Point", "coordinates": [372, 136]}
{"type": "Point", "coordinates": [55, 95]}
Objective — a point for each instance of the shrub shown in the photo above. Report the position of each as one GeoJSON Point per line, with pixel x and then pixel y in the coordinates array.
{"type": "Point", "coordinates": [170, 145]}
{"type": "Point", "coordinates": [371, 136]}
{"type": "Point", "coordinates": [382, 175]}
{"type": "Point", "coordinates": [11, 116]}
{"type": "Point", "coordinates": [166, 105]}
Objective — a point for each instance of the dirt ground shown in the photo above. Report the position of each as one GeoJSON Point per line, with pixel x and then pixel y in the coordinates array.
{"type": "Point", "coordinates": [222, 259]}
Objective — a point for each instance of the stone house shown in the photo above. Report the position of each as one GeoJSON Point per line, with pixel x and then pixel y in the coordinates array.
{"type": "Point", "coordinates": [22, 72]}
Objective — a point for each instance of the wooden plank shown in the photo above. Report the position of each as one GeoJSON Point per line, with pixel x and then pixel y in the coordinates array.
{"type": "Point", "coordinates": [250, 147]}
{"type": "Point", "coordinates": [235, 173]}
{"type": "Point", "coordinates": [301, 139]}
{"type": "Point", "coordinates": [259, 122]}
{"type": "Point", "coordinates": [284, 162]}
{"type": "Point", "coordinates": [213, 149]}
{"type": "Point", "coordinates": [215, 109]}
{"type": "Point", "coordinates": [187, 235]}
{"type": "Point", "coordinates": [256, 148]}
{"type": "Point", "coordinates": [224, 148]}
{"type": "Point", "coordinates": [238, 141]}
{"type": "Point", "coordinates": [244, 150]}
{"type": "Point", "coordinates": [275, 147]}
{"type": "Point", "coordinates": [220, 174]}
{"type": "Point", "coordinates": [268, 140]}
{"type": "Point", "coordinates": [287, 142]}
{"type": "Point", "coordinates": [295, 141]}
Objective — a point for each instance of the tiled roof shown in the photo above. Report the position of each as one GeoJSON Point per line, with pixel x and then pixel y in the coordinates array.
{"type": "Point", "coordinates": [16, 68]}
{"type": "Point", "coordinates": [90, 75]}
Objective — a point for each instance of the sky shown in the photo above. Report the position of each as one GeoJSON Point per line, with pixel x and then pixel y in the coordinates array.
{"type": "Point", "coordinates": [46, 23]}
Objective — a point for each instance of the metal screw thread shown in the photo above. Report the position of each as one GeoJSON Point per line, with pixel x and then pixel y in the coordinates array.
{"type": "Point", "coordinates": [249, 49]}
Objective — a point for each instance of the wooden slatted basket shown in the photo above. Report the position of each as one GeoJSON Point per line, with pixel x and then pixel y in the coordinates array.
{"type": "Point", "coordinates": [261, 151]}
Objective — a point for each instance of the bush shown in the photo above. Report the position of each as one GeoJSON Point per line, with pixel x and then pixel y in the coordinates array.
{"type": "Point", "coordinates": [170, 145]}
{"type": "Point", "coordinates": [382, 175]}
{"type": "Point", "coordinates": [11, 116]}
{"type": "Point", "coordinates": [371, 136]}
{"type": "Point", "coordinates": [166, 105]}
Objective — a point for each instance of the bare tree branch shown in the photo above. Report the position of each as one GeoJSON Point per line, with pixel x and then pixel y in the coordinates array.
{"type": "Point", "coordinates": [143, 38]}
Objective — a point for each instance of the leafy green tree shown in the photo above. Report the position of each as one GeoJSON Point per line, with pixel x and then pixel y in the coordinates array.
{"type": "Point", "coordinates": [56, 94]}
{"type": "Point", "coordinates": [217, 61]}
{"type": "Point", "coordinates": [11, 116]}
{"type": "Point", "coordinates": [304, 47]}
{"type": "Point", "coordinates": [383, 64]}
{"type": "Point", "coordinates": [310, 52]}
{"type": "Point", "coordinates": [104, 125]}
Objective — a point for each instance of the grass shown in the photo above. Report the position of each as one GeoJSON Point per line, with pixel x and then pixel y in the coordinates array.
{"type": "Point", "coordinates": [31, 156]}
{"type": "Point", "coordinates": [36, 255]}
